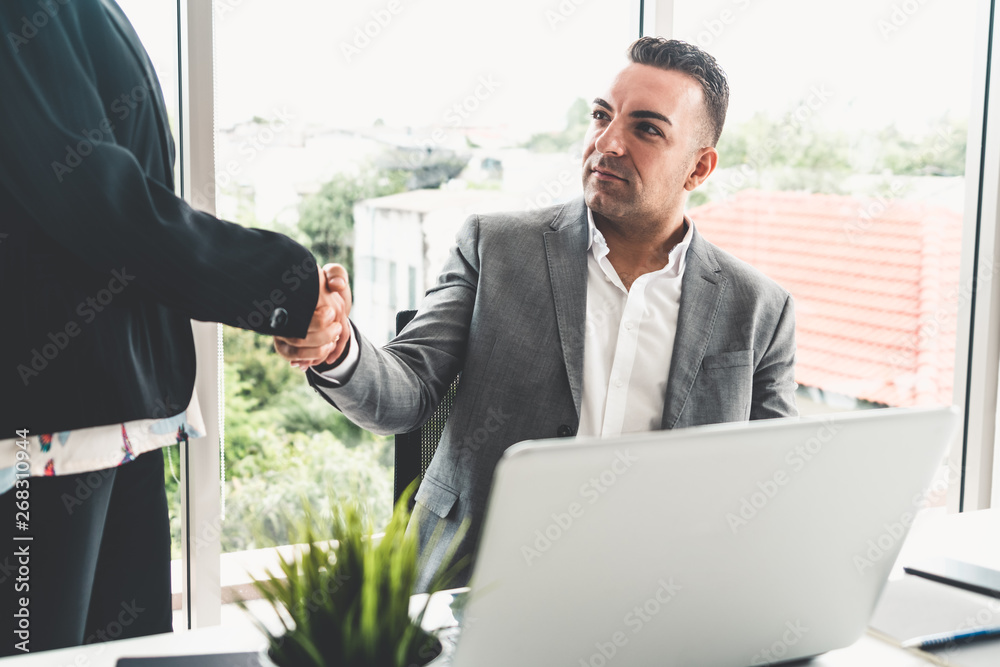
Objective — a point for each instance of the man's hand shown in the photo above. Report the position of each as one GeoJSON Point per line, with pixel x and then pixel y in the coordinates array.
{"type": "Point", "coordinates": [330, 329]}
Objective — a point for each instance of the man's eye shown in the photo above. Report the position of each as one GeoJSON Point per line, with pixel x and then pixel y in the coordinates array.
{"type": "Point", "coordinates": [597, 114]}
{"type": "Point", "coordinates": [651, 130]}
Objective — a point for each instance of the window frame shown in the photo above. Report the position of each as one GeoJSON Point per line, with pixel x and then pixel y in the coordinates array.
{"type": "Point", "coordinates": [977, 345]}
{"type": "Point", "coordinates": [978, 331]}
{"type": "Point", "coordinates": [977, 359]}
{"type": "Point", "coordinates": [201, 497]}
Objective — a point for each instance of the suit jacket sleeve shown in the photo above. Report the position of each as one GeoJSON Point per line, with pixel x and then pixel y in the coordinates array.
{"type": "Point", "coordinates": [774, 378]}
{"type": "Point", "coordinates": [68, 165]}
{"type": "Point", "coordinates": [395, 389]}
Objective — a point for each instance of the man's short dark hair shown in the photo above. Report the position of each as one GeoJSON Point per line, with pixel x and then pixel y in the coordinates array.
{"type": "Point", "coordinates": [678, 56]}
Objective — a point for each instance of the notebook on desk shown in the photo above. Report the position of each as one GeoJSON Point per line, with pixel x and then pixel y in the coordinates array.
{"type": "Point", "coordinates": [916, 607]}
{"type": "Point", "coordinates": [721, 545]}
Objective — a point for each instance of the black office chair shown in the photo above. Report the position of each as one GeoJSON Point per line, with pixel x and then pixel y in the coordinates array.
{"type": "Point", "coordinates": [414, 450]}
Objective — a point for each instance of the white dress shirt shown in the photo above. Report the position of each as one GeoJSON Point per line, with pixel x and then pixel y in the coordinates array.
{"type": "Point", "coordinates": [628, 343]}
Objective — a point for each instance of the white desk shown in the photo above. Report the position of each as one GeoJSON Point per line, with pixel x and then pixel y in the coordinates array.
{"type": "Point", "coordinates": [974, 537]}
{"type": "Point", "coordinates": [867, 652]}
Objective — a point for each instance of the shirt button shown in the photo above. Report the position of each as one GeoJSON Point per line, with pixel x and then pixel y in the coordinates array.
{"type": "Point", "coordinates": [630, 325]}
{"type": "Point", "coordinates": [619, 383]}
{"type": "Point", "coordinates": [279, 318]}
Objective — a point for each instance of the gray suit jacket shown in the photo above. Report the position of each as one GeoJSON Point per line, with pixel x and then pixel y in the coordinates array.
{"type": "Point", "coordinates": [508, 312]}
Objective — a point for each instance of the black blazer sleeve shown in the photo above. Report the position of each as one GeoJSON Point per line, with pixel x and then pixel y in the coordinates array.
{"type": "Point", "coordinates": [86, 155]}
{"type": "Point", "coordinates": [102, 267]}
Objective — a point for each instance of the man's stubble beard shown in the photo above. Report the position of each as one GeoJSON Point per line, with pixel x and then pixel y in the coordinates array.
{"type": "Point", "coordinates": [630, 215]}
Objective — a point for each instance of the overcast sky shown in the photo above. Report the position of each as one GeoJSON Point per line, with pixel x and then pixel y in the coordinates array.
{"type": "Point", "coordinates": [528, 59]}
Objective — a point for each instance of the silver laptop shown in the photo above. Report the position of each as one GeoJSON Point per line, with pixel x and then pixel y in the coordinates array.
{"type": "Point", "coordinates": [735, 544]}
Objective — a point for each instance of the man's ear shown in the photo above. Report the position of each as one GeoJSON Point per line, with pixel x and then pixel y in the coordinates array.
{"type": "Point", "coordinates": [706, 159]}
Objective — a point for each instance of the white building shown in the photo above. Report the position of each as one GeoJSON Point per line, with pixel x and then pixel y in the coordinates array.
{"type": "Point", "coordinates": [400, 244]}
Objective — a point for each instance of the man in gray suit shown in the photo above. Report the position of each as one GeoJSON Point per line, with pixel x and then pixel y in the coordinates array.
{"type": "Point", "coordinates": [602, 316]}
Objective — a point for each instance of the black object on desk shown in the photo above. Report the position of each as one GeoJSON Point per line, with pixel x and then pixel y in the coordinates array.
{"type": "Point", "coordinates": [960, 574]}
{"type": "Point", "coordinates": [208, 660]}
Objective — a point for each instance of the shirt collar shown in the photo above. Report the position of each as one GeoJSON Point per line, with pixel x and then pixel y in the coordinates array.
{"type": "Point", "coordinates": [599, 245]}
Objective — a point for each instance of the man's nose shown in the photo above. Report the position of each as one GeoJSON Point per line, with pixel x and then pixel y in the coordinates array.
{"type": "Point", "coordinates": [611, 141]}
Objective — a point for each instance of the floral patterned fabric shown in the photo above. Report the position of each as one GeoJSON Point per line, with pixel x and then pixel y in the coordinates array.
{"type": "Point", "coordinates": [99, 447]}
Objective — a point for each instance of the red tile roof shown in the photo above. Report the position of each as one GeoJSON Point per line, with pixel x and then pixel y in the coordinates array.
{"type": "Point", "coordinates": [875, 283]}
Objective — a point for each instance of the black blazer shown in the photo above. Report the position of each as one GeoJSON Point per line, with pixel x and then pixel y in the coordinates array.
{"type": "Point", "coordinates": [102, 267]}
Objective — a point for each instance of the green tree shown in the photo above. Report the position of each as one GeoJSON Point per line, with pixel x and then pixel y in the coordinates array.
{"type": "Point", "coordinates": [797, 152]}
{"type": "Point", "coordinates": [327, 217]}
{"type": "Point", "coordinates": [264, 392]}
{"type": "Point", "coordinates": [577, 122]}
{"type": "Point", "coordinates": [940, 151]}
{"type": "Point", "coordinates": [292, 470]}
{"type": "Point", "coordinates": [796, 140]}
{"type": "Point", "coordinates": [283, 442]}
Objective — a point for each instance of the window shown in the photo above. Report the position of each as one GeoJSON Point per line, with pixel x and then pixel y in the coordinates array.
{"type": "Point", "coordinates": [369, 132]}
{"type": "Point", "coordinates": [452, 120]}
{"type": "Point", "coordinates": [148, 19]}
{"type": "Point", "coordinates": [842, 176]}
{"type": "Point", "coordinates": [412, 287]}
{"type": "Point", "coordinates": [392, 286]}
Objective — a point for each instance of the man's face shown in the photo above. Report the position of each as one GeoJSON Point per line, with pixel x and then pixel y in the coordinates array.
{"type": "Point", "coordinates": [646, 140]}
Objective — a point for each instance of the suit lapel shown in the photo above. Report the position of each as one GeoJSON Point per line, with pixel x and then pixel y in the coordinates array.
{"type": "Point", "coordinates": [701, 295]}
{"type": "Point", "coordinates": [566, 252]}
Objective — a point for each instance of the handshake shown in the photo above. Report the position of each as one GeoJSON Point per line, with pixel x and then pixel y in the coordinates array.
{"type": "Point", "coordinates": [329, 330]}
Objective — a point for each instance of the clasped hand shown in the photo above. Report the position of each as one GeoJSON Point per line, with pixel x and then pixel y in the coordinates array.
{"type": "Point", "coordinates": [330, 330]}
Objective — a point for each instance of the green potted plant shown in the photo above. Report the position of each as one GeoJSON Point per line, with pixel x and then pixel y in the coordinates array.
{"type": "Point", "coordinates": [346, 603]}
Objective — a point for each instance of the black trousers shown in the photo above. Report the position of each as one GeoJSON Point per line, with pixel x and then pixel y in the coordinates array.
{"type": "Point", "coordinates": [98, 566]}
